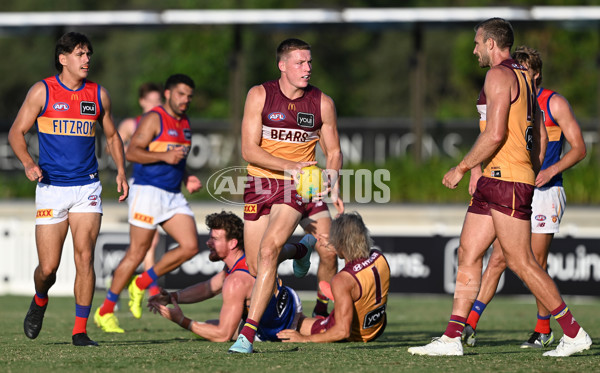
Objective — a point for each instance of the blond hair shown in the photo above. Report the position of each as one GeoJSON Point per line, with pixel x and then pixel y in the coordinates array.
{"type": "Point", "coordinates": [350, 236]}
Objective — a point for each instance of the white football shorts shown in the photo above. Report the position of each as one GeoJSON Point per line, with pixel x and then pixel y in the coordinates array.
{"type": "Point", "coordinates": [54, 203]}
{"type": "Point", "coordinates": [150, 206]}
{"type": "Point", "coordinates": [548, 207]}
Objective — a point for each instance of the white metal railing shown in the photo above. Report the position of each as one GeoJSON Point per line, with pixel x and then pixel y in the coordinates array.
{"type": "Point", "coordinates": [19, 259]}
{"type": "Point", "coordinates": [295, 16]}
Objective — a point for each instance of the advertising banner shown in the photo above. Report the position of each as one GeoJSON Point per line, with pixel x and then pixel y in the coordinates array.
{"type": "Point", "coordinates": [417, 265]}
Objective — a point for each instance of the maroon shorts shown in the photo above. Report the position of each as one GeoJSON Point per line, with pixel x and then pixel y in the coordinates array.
{"type": "Point", "coordinates": [322, 325]}
{"type": "Point", "coordinates": [261, 193]}
{"type": "Point", "coordinates": [507, 197]}
{"type": "Point", "coordinates": [313, 208]}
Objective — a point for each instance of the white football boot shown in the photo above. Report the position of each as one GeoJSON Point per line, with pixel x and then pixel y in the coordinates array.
{"type": "Point", "coordinates": [569, 346]}
{"type": "Point", "coordinates": [440, 346]}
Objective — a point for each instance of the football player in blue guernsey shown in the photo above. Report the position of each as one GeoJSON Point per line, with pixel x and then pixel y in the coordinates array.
{"type": "Point", "coordinates": [159, 149]}
{"type": "Point", "coordinates": [66, 109]}
{"type": "Point", "coordinates": [234, 282]}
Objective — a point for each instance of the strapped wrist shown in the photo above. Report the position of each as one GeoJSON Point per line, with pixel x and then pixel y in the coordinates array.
{"type": "Point", "coordinates": [186, 323]}
{"type": "Point", "coordinates": [462, 167]}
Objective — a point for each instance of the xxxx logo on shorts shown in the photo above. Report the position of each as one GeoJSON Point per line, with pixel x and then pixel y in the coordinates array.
{"type": "Point", "coordinates": [44, 213]}
{"type": "Point", "coordinates": [250, 208]}
{"type": "Point", "coordinates": [143, 218]}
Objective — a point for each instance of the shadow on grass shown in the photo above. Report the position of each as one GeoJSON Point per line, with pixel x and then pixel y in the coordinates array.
{"type": "Point", "coordinates": [270, 352]}
{"type": "Point", "coordinates": [136, 342]}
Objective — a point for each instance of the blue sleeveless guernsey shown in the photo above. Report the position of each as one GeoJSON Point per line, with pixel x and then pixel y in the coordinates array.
{"type": "Point", "coordinates": [67, 133]}
{"type": "Point", "coordinates": [173, 132]}
{"type": "Point", "coordinates": [555, 136]}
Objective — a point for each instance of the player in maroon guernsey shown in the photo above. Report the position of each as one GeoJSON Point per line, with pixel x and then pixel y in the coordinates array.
{"type": "Point", "coordinates": [360, 289]}
{"type": "Point", "coordinates": [283, 120]}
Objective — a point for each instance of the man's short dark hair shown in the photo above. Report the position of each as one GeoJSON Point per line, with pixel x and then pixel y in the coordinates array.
{"type": "Point", "coordinates": [175, 79]}
{"type": "Point", "coordinates": [148, 87]}
{"type": "Point", "coordinates": [67, 43]}
{"type": "Point", "coordinates": [499, 30]}
{"type": "Point", "coordinates": [289, 45]}
{"type": "Point", "coordinates": [232, 224]}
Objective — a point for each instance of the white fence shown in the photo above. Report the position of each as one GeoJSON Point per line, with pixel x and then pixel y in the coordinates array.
{"type": "Point", "coordinates": [19, 257]}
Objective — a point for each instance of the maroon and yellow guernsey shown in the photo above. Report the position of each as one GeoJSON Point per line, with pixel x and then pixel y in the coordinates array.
{"type": "Point", "coordinates": [512, 161]}
{"type": "Point", "coordinates": [373, 277]}
{"type": "Point", "coordinates": [290, 128]}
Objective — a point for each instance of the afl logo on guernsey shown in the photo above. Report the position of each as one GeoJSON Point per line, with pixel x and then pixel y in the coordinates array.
{"type": "Point", "coordinates": [88, 108]}
{"type": "Point", "coordinates": [276, 117]}
{"type": "Point", "coordinates": [60, 106]}
{"type": "Point", "coordinates": [172, 132]}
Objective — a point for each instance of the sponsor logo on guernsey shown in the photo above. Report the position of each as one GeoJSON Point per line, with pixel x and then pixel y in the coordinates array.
{"type": "Point", "coordinates": [187, 133]}
{"type": "Point", "coordinates": [306, 120]}
{"type": "Point", "coordinates": [540, 217]}
{"type": "Point", "coordinates": [60, 106]}
{"type": "Point", "coordinates": [529, 138]}
{"type": "Point", "coordinates": [88, 108]}
{"type": "Point", "coordinates": [71, 127]}
{"type": "Point", "coordinates": [276, 117]}
{"type": "Point", "coordinates": [282, 301]}
{"type": "Point", "coordinates": [74, 97]}
{"type": "Point", "coordinates": [44, 213]}
{"type": "Point", "coordinates": [289, 135]}
{"type": "Point", "coordinates": [365, 263]}
{"type": "Point", "coordinates": [143, 218]}
{"type": "Point", "coordinates": [496, 173]}
{"type": "Point", "coordinates": [291, 107]}
{"type": "Point", "coordinates": [374, 317]}
{"type": "Point", "coordinates": [250, 208]}
{"type": "Point", "coordinates": [172, 132]}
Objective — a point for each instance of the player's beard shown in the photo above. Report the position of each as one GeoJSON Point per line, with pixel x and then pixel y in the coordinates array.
{"type": "Point", "coordinates": [484, 60]}
{"type": "Point", "coordinates": [214, 257]}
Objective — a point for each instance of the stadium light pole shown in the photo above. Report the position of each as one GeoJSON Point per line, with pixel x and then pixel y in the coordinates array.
{"type": "Point", "coordinates": [237, 82]}
{"type": "Point", "coordinates": [417, 97]}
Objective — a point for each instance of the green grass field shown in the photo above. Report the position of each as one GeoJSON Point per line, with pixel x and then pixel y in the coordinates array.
{"type": "Point", "coordinates": [153, 344]}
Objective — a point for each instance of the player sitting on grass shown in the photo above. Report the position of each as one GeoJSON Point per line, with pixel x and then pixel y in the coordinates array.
{"type": "Point", "coordinates": [359, 290]}
{"type": "Point", "coordinates": [234, 282]}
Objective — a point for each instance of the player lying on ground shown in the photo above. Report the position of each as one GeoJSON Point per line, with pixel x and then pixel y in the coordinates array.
{"type": "Point", "coordinates": [234, 282]}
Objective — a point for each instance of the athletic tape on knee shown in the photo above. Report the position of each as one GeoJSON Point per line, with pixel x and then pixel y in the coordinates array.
{"type": "Point", "coordinates": [468, 282]}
